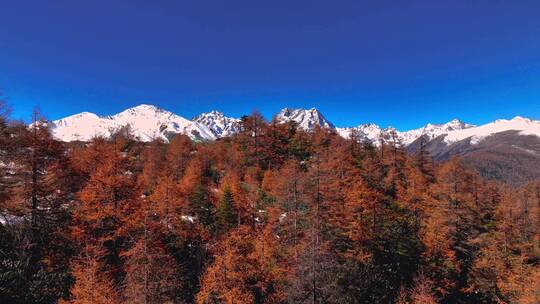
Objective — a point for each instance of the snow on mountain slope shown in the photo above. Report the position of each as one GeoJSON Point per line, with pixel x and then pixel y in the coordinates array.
{"type": "Point", "coordinates": [82, 126]}
{"type": "Point", "coordinates": [525, 126]}
{"type": "Point", "coordinates": [147, 122]}
{"type": "Point", "coordinates": [218, 123]}
{"type": "Point", "coordinates": [306, 119]}
{"type": "Point", "coordinates": [433, 130]}
{"type": "Point", "coordinates": [453, 131]}
{"type": "Point", "coordinates": [370, 132]}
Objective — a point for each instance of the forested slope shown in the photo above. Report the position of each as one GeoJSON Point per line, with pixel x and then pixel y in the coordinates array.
{"type": "Point", "coordinates": [272, 214]}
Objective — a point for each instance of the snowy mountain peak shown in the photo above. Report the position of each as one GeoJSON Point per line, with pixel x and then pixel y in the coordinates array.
{"type": "Point", "coordinates": [306, 119]}
{"type": "Point", "coordinates": [81, 115]}
{"type": "Point", "coordinates": [73, 119]}
{"type": "Point", "coordinates": [367, 132]}
{"type": "Point", "coordinates": [213, 114]}
{"type": "Point", "coordinates": [147, 122]}
{"type": "Point", "coordinates": [84, 114]}
{"type": "Point", "coordinates": [432, 131]}
{"type": "Point", "coordinates": [218, 123]}
{"type": "Point", "coordinates": [145, 107]}
{"type": "Point", "coordinates": [523, 119]}
{"type": "Point", "coordinates": [524, 126]}
{"type": "Point", "coordinates": [454, 124]}
{"type": "Point", "coordinates": [216, 113]}
{"type": "Point", "coordinates": [143, 110]}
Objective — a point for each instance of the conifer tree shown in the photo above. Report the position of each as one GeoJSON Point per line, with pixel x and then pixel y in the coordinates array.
{"type": "Point", "coordinates": [178, 155]}
{"type": "Point", "coordinates": [92, 284]}
{"type": "Point", "coordinates": [227, 216]}
{"type": "Point", "coordinates": [423, 161]}
{"type": "Point", "coordinates": [151, 276]}
{"type": "Point", "coordinates": [202, 208]}
{"type": "Point", "coordinates": [39, 194]}
{"type": "Point", "coordinates": [241, 273]}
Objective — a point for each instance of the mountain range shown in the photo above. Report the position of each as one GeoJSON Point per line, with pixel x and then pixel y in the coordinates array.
{"type": "Point", "coordinates": [498, 149]}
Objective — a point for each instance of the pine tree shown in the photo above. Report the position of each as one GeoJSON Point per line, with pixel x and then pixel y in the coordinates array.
{"type": "Point", "coordinates": [202, 208]}
{"type": "Point", "coordinates": [251, 138]}
{"type": "Point", "coordinates": [227, 216]}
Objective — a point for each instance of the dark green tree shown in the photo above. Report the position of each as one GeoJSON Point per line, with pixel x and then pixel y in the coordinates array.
{"type": "Point", "coordinates": [227, 216]}
{"type": "Point", "coordinates": [202, 207]}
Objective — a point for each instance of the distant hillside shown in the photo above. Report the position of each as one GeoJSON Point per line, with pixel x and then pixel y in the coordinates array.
{"type": "Point", "coordinates": [506, 156]}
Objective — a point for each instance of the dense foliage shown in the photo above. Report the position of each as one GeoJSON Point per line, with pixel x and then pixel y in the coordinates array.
{"type": "Point", "coordinates": [271, 215]}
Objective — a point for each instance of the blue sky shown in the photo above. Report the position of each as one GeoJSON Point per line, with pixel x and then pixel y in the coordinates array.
{"type": "Point", "coordinates": [401, 63]}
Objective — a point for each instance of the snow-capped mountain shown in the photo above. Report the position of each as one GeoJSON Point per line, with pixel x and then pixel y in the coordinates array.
{"type": "Point", "coordinates": [82, 126]}
{"type": "Point", "coordinates": [373, 132]}
{"type": "Point", "coordinates": [507, 150]}
{"type": "Point", "coordinates": [370, 132]}
{"type": "Point", "coordinates": [218, 123]}
{"type": "Point", "coordinates": [524, 126]}
{"type": "Point", "coordinates": [306, 119]}
{"type": "Point", "coordinates": [432, 131]}
{"type": "Point", "coordinates": [147, 122]}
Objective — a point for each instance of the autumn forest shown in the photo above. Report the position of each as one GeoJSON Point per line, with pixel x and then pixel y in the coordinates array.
{"type": "Point", "coordinates": [273, 214]}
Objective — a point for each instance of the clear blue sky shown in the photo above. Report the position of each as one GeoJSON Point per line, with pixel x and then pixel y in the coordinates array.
{"type": "Point", "coordinates": [401, 63]}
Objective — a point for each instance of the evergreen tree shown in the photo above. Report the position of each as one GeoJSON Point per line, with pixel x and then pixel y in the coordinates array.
{"type": "Point", "coordinates": [227, 216]}
{"type": "Point", "coordinates": [202, 207]}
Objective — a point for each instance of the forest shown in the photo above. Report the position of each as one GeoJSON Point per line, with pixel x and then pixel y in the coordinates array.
{"type": "Point", "coordinates": [273, 214]}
